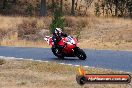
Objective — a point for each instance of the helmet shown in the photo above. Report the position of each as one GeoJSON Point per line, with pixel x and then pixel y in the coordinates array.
{"type": "Point", "coordinates": [58, 31]}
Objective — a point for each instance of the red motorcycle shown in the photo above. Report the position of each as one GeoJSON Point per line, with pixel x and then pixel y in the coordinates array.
{"type": "Point", "coordinates": [69, 48]}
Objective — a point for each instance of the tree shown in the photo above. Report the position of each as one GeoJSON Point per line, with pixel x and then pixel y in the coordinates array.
{"type": "Point", "coordinates": [61, 4]}
{"type": "Point", "coordinates": [129, 7]}
{"type": "Point", "coordinates": [53, 5]}
{"type": "Point", "coordinates": [4, 4]}
{"type": "Point", "coordinates": [43, 8]}
{"type": "Point", "coordinates": [14, 1]}
{"type": "Point", "coordinates": [116, 7]}
{"type": "Point", "coordinates": [97, 9]}
{"type": "Point", "coordinates": [88, 3]}
{"type": "Point", "coordinates": [57, 20]}
{"type": "Point", "coordinates": [57, 5]}
{"type": "Point", "coordinates": [72, 8]}
{"type": "Point", "coordinates": [76, 4]}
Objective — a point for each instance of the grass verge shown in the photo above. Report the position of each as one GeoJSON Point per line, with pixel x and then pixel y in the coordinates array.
{"type": "Point", "coordinates": [32, 74]}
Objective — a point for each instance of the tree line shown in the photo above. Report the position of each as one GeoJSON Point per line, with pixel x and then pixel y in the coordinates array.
{"type": "Point", "coordinates": [54, 2]}
{"type": "Point", "coordinates": [118, 8]}
{"type": "Point", "coordinates": [43, 5]}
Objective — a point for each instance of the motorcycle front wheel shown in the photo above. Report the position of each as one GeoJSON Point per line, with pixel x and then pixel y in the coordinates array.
{"type": "Point", "coordinates": [80, 53]}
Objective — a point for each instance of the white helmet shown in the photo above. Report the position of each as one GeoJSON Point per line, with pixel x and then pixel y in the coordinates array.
{"type": "Point", "coordinates": [58, 31]}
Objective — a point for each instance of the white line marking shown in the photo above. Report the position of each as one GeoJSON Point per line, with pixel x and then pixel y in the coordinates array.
{"type": "Point", "coordinates": [20, 58]}
{"type": "Point", "coordinates": [30, 59]}
{"type": "Point", "coordinates": [45, 61]}
{"type": "Point", "coordinates": [69, 64]}
{"type": "Point", "coordinates": [39, 60]}
{"type": "Point", "coordinates": [3, 57]}
{"type": "Point", "coordinates": [86, 66]}
{"type": "Point", "coordinates": [76, 65]}
{"type": "Point", "coordinates": [62, 63]}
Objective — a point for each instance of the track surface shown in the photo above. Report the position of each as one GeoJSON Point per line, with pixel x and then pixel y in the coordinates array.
{"type": "Point", "coordinates": [116, 60]}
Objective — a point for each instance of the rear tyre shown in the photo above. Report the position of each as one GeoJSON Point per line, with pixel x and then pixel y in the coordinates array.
{"type": "Point", "coordinates": [80, 53]}
{"type": "Point", "coordinates": [56, 53]}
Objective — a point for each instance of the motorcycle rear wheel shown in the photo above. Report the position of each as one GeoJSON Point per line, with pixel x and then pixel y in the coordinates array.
{"type": "Point", "coordinates": [55, 52]}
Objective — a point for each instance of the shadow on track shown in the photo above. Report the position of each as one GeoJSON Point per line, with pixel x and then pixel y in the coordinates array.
{"type": "Point", "coordinates": [66, 58]}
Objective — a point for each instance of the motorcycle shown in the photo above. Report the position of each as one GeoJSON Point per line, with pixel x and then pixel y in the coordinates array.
{"type": "Point", "coordinates": [69, 48]}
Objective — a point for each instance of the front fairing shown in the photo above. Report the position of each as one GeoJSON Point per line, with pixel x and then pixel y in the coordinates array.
{"type": "Point", "coordinates": [69, 43]}
{"type": "Point", "coordinates": [48, 39]}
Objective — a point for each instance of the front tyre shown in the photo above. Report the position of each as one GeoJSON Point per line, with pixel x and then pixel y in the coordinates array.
{"type": "Point", "coordinates": [80, 53]}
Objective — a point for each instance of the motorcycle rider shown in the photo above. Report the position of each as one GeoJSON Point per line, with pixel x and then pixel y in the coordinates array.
{"type": "Point", "coordinates": [57, 36]}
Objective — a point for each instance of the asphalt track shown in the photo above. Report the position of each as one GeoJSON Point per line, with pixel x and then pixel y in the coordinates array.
{"type": "Point", "coordinates": [108, 59]}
